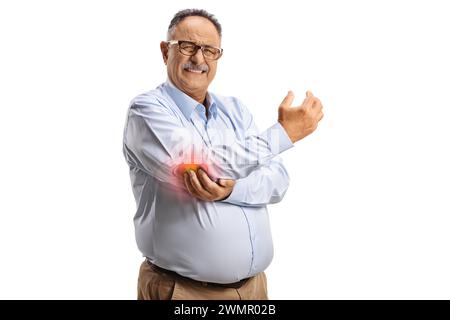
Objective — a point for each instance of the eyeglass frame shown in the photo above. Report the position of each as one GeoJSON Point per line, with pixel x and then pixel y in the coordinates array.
{"type": "Point", "coordinates": [177, 42]}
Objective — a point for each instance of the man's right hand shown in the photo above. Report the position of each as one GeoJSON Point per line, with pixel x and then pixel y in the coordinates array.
{"type": "Point", "coordinates": [298, 122]}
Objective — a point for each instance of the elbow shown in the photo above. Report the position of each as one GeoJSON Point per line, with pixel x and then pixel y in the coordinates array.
{"type": "Point", "coordinates": [279, 193]}
{"type": "Point", "coordinates": [278, 196]}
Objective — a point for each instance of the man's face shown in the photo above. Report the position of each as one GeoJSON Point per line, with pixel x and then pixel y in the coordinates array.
{"type": "Point", "coordinates": [202, 32]}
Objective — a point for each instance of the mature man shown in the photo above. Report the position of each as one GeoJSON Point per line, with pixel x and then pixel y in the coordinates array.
{"type": "Point", "coordinates": [202, 174]}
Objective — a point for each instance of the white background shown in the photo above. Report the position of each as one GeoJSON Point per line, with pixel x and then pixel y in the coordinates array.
{"type": "Point", "coordinates": [367, 212]}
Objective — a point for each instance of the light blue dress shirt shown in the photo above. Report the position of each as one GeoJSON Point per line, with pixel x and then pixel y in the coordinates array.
{"type": "Point", "coordinates": [221, 241]}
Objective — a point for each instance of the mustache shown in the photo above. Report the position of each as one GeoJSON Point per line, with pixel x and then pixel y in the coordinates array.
{"type": "Point", "coordinates": [201, 67]}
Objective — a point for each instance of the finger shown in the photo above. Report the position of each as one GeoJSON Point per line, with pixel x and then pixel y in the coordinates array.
{"type": "Point", "coordinates": [317, 104]}
{"type": "Point", "coordinates": [197, 185]}
{"type": "Point", "coordinates": [188, 184]}
{"type": "Point", "coordinates": [308, 102]}
{"type": "Point", "coordinates": [227, 183]}
{"type": "Point", "coordinates": [321, 116]}
{"type": "Point", "coordinates": [191, 188]}
{"type": "Point", "coordinates": [207, 183]}
{"type": "Point", "coordinates": [287, 101]}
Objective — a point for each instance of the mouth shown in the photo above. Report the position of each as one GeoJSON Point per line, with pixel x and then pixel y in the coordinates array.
{"type": "Point", "coordinates": [194, 71]}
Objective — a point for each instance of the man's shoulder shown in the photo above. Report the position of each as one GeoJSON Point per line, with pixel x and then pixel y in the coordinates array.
{"type": "Point", "coordinates": [227, 100]}
{"type": "Point", "coordinates": [151, 98]}
{"type": "Point", "coordinates": [230, 104]}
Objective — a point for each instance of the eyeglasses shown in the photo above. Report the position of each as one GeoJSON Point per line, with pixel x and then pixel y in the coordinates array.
{"type": "Point", "coordinates": [189, 48]}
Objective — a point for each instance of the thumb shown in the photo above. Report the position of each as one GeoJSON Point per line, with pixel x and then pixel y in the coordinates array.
{"type": "Point", "coordinates": [226, 182]}
{"type": "Point", "coordinates": [287, 101]}
{"type": "Point", "coordinates": [309, 94]}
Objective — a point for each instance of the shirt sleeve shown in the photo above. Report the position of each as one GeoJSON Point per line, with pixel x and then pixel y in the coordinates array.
{"type": "Point", "coordinates": [265, 185]}
{"type": "Point", "coordinates": [156, 141]}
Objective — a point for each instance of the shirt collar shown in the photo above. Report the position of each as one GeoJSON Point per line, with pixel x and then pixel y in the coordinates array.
{"type": "Point", "coordinates": [187, 105]}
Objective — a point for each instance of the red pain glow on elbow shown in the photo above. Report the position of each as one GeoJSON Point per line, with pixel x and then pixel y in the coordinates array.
{"type": "Point", "coordinates": [181, 168]}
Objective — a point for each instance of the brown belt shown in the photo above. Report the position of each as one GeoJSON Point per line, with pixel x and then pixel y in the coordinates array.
{"type": "Point", "coordinates": [234, 285]}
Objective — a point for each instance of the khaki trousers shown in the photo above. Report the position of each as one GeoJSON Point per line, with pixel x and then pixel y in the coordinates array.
{"type": "Point", "coordinates": [157, 285]}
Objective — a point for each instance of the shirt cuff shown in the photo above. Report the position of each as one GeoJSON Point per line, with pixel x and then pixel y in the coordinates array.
{"type": "Point", "coordinates": [277, 139]}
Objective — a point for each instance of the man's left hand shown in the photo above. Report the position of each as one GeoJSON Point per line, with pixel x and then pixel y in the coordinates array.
{"type": "Point", "coordinates": [201, 186]}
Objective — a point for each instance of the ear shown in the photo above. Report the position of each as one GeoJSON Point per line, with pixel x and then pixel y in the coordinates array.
{"type": "Point", "coordinates": [164, 51]}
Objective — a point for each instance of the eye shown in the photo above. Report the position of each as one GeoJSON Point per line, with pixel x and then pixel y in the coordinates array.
{"type": "Point", "coordinates": [210, 51]}
{"type": "Point", "coordinates": [188, 46]}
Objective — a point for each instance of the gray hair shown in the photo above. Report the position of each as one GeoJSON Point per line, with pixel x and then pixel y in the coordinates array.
{"type": "Point", "coordinates": [180, 15]}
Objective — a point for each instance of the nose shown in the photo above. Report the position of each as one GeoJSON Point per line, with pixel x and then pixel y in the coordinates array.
{"type": "Point", "coordinates": [198, 58]}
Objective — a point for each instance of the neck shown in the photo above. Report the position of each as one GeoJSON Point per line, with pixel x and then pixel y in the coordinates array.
{"type": "Point", "coordinates": [199, 97]}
